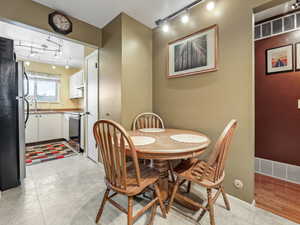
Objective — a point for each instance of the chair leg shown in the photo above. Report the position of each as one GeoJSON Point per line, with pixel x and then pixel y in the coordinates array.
{"type": "Point", "coordinates": [225, 198]}
{"type": "Point", "coordinates": [161, 204]}
{"type": "Point", "coordinates": [153, 212]}
{"type": "Point", "coordinates": [173, 194]}
{"type": "Point", "coordinates": [130, 211]}
{"type": "Point", "coordinates": [211, 207]}
{"type": "Point", "coordinates": [105, 197]}
{"type": "Point", "coordinates": [189, 185]}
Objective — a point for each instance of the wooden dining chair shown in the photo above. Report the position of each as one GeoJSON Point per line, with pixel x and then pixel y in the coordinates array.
{"type": "Point", "coordinates": [147, 120]}
{"type": "Point", "coordinates": [208, 174]}
{"type": "Point", "coordinates": [151, 120]}
{"type": "Point", "coordinates": [130, 180]}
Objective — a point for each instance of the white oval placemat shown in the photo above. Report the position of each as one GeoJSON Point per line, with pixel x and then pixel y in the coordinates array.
{"type": "Point", "coordinates": [152, 130]}
{"type": "Point", "coordinates": [142, 140]}
{"type": "Point", "coordinates": [188, 138]}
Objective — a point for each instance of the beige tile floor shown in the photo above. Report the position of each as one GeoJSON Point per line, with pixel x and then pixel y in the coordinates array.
{"type": "Point", "coordinates": [68, 192]}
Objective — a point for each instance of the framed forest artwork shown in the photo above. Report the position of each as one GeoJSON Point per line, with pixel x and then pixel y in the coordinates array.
{"type": "Point", "coordinates": [194, 54]}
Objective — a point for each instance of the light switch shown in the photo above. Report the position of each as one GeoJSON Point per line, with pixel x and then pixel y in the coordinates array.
{"type": "Point", "coordinates": [298, 103]}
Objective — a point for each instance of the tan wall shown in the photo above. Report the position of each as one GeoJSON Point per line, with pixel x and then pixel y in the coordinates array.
{"type": "Point", "coordinates": [126, 70]}
{"type": "Point", "coordinates": [36, 15]}
{"type": "Point", "coordinates": [65, 102]}
{"type": "Point", "coordinates": [136, 69]}
{"type": "Point", "coordinates": [207, 102]}
{"type": "Point", "coordinates": [110, 70]}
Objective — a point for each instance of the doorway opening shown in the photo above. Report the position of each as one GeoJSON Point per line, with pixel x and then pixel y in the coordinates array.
{"type": "Point", "coordinates": [60, 93]}
{"type": "Point", "coordinates": [277, 110]}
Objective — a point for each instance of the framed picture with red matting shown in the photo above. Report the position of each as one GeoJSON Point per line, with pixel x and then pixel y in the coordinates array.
{"type": "Point", "coordinates": [280, 59]}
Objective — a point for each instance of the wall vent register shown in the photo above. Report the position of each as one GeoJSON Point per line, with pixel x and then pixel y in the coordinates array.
{"type": "Point", "coordinates": [277, 26]}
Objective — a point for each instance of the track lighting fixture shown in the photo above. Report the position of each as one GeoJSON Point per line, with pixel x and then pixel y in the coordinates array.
{"type": "Point", "coordinates": [184, 19]}
{"type": "Point", "coordinates": [296, 5]}
{"type": "Point", "coordinates": [211, 4]}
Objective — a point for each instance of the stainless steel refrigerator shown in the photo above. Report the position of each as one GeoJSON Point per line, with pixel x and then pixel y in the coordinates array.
{"type": "Point", "coordinates": [12, 117]}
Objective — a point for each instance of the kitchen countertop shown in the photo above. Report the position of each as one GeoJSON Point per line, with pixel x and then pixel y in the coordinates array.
{"type": "Point", "coordinates": [56, 111]}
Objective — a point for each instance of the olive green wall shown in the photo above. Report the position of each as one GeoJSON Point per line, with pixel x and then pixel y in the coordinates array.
{"type": "Point", "coordinates": [111, 70]}
{"type": "Point", "coordinates": [136, 69]}
{"type": "Point", "coordinates": [126, 70]}
{"type": "Point", "coordinates": [207, 102]}
{"type": "Point", "coordinates": [35, 15]}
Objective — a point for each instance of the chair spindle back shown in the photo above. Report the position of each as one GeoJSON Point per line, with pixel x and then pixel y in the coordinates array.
{"type": "Point", "coordinates": [219, 155]}
{"type": "Point", "coordinates": [147, 120]}
{"type": "Point", "coordinates": [113, 143]}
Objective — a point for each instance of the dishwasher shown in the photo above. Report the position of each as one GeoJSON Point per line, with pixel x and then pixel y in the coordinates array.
{"type": "Point", "coordinates": [75, 132]}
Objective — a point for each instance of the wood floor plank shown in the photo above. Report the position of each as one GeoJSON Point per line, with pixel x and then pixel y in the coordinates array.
{"type": "Point", "coordinates": [277, 196]}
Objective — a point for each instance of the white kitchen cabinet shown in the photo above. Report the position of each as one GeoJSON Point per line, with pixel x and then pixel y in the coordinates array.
{"type": "Point", "coordinates": [50, 127]}
{"type": "Point", "coordinates": [76, 85]}
{"type": "Point", "coordinates": [66, 127]}
{"type": "Point", "coordinates": [44, 127]}
{"type": "Point", "coordinates": [79, 78]}
{"type": "Point", "coordinates": [71, 85]}
{"type": "Point", "coordinates": [31, 130]}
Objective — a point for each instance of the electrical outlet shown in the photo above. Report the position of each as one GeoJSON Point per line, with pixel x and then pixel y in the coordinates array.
{"type": "Point", "coordinates": [238, 184]}
{"type": "Point", "coordinates": [298, 103]}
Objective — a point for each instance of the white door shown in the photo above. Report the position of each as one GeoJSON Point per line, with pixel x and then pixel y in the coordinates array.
{"type": "Point", "coordinates": [92, 103]}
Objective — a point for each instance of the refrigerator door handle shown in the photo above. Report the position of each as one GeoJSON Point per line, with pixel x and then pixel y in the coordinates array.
{"type": "Point", "coordinates": [27, 84]}
{"type": "Point", "coordinates": [27, 111]}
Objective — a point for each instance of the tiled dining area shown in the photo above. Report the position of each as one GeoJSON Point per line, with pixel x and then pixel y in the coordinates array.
{"type": "Point", "coordinates": [68, 192]}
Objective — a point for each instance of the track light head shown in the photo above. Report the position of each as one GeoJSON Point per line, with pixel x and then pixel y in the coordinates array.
{"type": "Point", "coordinates": [185, 17]}
{"type": "Point", "coordinates": [296, 5]}
{"type": "Point", "coordinates": [165, 27]}
{"type": "Point", "coordinates": [210, 5]}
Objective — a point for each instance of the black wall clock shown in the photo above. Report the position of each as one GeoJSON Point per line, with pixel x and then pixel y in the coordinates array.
{"type": "Point", "coordinates": [60, 23]}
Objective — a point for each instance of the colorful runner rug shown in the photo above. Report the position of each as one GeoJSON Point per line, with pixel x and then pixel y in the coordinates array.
{"type": "Point", "coordinates": [47, 152]}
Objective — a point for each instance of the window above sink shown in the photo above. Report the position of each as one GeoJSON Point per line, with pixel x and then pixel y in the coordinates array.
{"type": "Point", "coordinates": [44, 87]}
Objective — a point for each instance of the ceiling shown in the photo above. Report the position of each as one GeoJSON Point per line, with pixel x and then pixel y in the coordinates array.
{"type": "Point", "coordinates": [101, 12]}
{"type": "Point", "coordinates": [72, 53]}
{"type": "Point", "coordinates": [277, 10]}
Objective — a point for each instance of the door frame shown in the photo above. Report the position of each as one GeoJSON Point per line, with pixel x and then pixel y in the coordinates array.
{"type": "Point", "coordinates": [96, 52]}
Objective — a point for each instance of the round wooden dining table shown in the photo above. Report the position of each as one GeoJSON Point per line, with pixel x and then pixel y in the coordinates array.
{"type": "Point", "coordinates": [165, 146]}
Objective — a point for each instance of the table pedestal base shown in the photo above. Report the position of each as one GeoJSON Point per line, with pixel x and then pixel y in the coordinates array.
{"type": "Point", "coordinates": [163, 167]}
{"type": "Point", "coordinates": [166, 188]}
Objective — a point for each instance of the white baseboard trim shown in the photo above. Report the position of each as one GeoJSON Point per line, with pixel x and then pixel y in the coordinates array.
{"type": "Point", "coordinates": [282, 171]}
